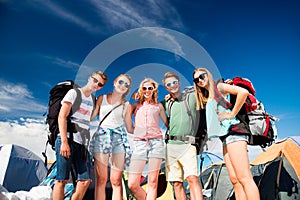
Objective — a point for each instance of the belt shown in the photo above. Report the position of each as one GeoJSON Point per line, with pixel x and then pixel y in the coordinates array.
{"type": "Point", "coordinates": [189, 139]}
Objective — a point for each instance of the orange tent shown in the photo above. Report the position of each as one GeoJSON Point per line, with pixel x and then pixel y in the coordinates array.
{"type": "Point", "coordinates": [289, 148]}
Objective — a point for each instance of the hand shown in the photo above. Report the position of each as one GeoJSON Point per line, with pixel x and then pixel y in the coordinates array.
{"type": "Point", "coordinates": [228, 81]}
{"type": "Point", "coordinates": [167, 97]}
{"type": "Point", "coordinates": [65, 150]}
{"type": "Point", "coordinates": [224, 115]}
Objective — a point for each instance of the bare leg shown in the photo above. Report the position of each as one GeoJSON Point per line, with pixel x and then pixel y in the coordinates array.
{"type": "Point", "coordinates": [237, 163]}
{"type": "Point", "coordinates": [100, 163]}
{"type": "Point", "coordinates": [238, 188]}
{"type": "Point", "coordinates": [135, 172]}
{"type": "Point", "coordinates": [179, 190]}
{"type": "Point", "coordinates": [153, 172]}
{"type": "Point", "coordinates": [58, 190]}
{"type": "Point", "coordinates": [80, 189]}
{"type": "Point", "coordinates": [195, 188]}
{"type": "Point", "coordinates": [117, 166]}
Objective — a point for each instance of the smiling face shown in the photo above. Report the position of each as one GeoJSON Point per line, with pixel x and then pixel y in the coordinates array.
{"type": "Point", "coordinates": [172, 84]}
{"type": "Point", "coordinates": [148, 89]}
{"type": "Point", "coordinates": [122, 84]}
{"type": "Point", "coordinates": [201, 78]}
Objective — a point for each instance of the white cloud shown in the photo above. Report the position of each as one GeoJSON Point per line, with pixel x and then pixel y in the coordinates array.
{"type": "Point", "coordinates": [70, 16]}
{"type": "Point", "coordinates": [62, 62]}
{"type": "Point", "coordinates": [113, 14]}
{"type": "Point", "coordinates": [126, 15]}
{"type": "Point", "coordinates": [28, 133]}
{"type": "Point", "coordinates": [16, 98]}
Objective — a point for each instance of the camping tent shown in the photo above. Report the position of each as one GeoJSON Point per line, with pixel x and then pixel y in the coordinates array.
{"type": "Point", "coordinates": [276, 171]}
{"type": "Point", "coordinates": [215, 182]}
{"type": "Point", "coordinates": [20, 169]}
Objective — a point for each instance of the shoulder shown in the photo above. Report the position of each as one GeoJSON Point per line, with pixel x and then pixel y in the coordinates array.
{"type": "Point", "coordinates": [70, 96]}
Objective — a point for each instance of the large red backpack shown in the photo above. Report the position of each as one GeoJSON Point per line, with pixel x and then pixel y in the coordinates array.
{"type": "Point", "coordinates": [261, 124]}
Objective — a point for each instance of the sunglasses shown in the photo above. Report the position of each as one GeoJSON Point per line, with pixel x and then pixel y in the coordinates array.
{"type": "Point", "coordinates": [97, 81]}
{"type": "Point", "coordinates": [122, 82]}
{"type": "Point", "coordinates": [172, 83]}
{"type": "Point", "coordinates": [148, 88]}
{"type": "Point", "coordinates": [200, 77]}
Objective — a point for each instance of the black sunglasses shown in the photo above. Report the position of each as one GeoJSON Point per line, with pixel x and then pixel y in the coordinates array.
{"type": "Point", "coordinates": [148, 88]}
{"type": "Point", "coordinates": [96, 81]}
{"type": "Point", "coordinates": [121, 82]}
{"type": "Point", "coordinates": [200, 77]}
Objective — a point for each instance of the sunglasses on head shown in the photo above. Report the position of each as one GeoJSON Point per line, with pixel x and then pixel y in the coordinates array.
{"type": "Point", "coordinates": [97, 81]}
{"type": "Point", "coordinates": [172, 83]}
{"type": "Point", "coordinates": [122, 82]}
{"type": "Point", "coordinates": [200, 77]}
{"type": "Point", "coordinates": [148, 88]}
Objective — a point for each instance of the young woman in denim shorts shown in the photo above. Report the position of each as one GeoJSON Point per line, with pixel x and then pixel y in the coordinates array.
{"type": "Point", "coordinates": [223, 123]}
{"type": "Point", "coordinates": [148, 140]}
{"type": "Point", "coordinates": [110, 140]}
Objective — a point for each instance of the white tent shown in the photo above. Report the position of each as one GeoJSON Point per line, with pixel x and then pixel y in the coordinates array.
{"type": "Point", "coordinates": [20, 169]}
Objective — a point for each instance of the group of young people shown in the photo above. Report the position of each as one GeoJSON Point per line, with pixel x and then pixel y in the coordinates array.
{"type": "Point", "coordinates": [184, 115]}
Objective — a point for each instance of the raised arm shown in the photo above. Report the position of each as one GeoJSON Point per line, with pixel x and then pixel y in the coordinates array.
{"type": "Point", "coordinates": [241, 95]}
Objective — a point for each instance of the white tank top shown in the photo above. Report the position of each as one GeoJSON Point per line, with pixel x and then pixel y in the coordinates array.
{"type": "Point", "coordinates": [116, 117]}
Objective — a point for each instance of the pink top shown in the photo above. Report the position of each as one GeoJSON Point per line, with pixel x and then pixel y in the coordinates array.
{"type": "Point", "coordinates": [147, 121]}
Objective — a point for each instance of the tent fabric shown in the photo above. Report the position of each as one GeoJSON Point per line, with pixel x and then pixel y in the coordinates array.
{"type": "Point", "coordinates": [288, 148]}
{"type": "Point", "coordinates": [20, 169]}
{"type": "Point", "coordinates": [275, 171]}
{"type": "Point", "coordinates": [276, 180]}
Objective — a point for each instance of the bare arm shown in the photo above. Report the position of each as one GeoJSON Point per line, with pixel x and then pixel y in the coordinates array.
{"type": "Point", "coordinates": [128, 119]}
{"type": "Point", "coordinates": [62, 124]}
{"type": "Point", "coordinates": [163, 115]}
{"type": "Point", "coordinates": [97, 107]}
{"type": "Point", "coordinates": [241, 95]}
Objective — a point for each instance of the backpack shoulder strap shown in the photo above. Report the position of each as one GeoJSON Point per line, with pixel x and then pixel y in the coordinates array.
{"type": "Point", "coordinates": [108, 114]}
{"type": "Point", "coordinates": [219, 98]}
{"type": "Point", "coordinates": [77, 101]}
{"type": "Point", "coordinates": [188, 110]}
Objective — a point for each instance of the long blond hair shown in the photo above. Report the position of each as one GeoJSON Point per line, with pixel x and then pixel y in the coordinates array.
{"type": "Point", "coordinates": [203, 94]}
{"type": "Point", "coordinates": [141, 97]}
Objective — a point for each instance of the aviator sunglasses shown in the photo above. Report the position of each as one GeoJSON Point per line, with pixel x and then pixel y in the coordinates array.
{"type": "Point", "coordinates": [148, 88]}
{"type": "Point", "coordinates": [122, 82]}
{"type": "Point", "coordinates": [172, 83]}
{"type": "Point", "coordinates": [200, 77]}
{"type": "Point", "coordinates": [96, 81]}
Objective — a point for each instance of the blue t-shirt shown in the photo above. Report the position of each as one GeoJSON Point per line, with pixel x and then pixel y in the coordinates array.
{"type": "Point", "coordinates": [216, 128]}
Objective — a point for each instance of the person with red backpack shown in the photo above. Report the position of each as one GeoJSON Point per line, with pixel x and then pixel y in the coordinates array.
{"type": "Point", "coordinates": [224, 123]}
{"type": "Point", "coordinates": [70, 147]}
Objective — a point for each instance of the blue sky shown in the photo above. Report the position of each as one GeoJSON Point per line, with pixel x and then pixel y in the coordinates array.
{"type": "Point", "coordinates": [45, 42]}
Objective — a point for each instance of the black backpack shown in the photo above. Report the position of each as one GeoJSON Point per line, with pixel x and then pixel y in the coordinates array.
{"type": "Point", "coordinates": [57, 93]}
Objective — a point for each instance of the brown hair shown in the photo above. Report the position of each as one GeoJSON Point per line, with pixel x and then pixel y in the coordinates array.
{"type": "Point", "coordinates": [101, 74]}
{"type": "Point", "coordinates": [168, 75]}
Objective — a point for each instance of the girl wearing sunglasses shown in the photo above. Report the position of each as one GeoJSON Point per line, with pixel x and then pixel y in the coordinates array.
{"type": "Point", "coordinates": [148, 140]}
{"type": "Point", "coordinates": [222, 123]}
{"type": "Point", "coordinates": [110, 140]}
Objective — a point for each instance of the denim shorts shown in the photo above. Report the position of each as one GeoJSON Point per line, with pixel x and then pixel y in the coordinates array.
{"type": "Point", "coordinates": [234, 138]}
{"type": "Point", "coordinates": [145, 149]}
{"type": "Point", "coordinates": [107, 143]}
{"type": "Point", "coordinates": [64, 164]}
